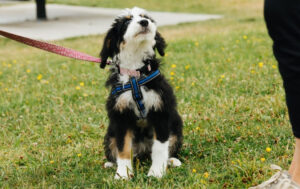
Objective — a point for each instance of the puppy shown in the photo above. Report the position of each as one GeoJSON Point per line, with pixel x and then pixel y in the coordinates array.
{"type": "Point", "coordinates": [141, 107]}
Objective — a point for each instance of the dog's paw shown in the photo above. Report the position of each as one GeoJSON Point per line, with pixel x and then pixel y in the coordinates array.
{"type": "Point", "coordinates": [123, 175]}
{"type": "Point", "coordinates": [157, 171]}
{"type": "Point", "coordinates": [108, 165]}
{"type": "Point", "coordinates": [174, 162]}
{"type": "Point", "coordinates": [124, 170]}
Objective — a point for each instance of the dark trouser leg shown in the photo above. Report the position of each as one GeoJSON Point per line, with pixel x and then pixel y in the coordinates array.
{"type": "Point", "coordinates": [292, 91]}
{"type": "Point", "coordinates": [283, 23]}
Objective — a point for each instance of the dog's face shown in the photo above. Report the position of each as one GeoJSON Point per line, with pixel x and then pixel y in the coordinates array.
{"type": "Point", "coordinates": [140, 27]}
{"type": "Point", "coordinates": [134, 29]}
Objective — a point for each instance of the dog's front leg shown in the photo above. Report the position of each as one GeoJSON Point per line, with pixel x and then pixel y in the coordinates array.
{"type": "Point", "coordinates": [160, 149]}
{"type": "Point", "coordinates": [124, 143]}
{"type": "Point", "coordinates": [159, 158]}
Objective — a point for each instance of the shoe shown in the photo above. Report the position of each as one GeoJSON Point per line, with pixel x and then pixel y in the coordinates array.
{"type": "Point", "coordinates": [281, 180]}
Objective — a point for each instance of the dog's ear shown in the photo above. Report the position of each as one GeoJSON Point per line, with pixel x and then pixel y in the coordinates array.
{"type": "Point", "coordinates": [160, 44]}
{"type": "Point", "coordinates": [109, 47]}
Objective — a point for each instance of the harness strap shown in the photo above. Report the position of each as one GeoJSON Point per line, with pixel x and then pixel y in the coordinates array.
{"type": "Point", "coordinates": [135, 86]}
{"type": "Point", "coordinates": [142, 81]}
{"type": "Point", "coordinates": [137, 96]}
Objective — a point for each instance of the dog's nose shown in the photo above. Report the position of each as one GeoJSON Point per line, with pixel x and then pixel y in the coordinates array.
{"type": "Point", "coordinates": [144, 23]}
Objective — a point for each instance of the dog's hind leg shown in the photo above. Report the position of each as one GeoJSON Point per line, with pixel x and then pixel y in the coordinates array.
{"type": "Point", "coordinates": [110, 147]}
{"type": "Point", "coordinates": [108, 164]}
{"type": "Point", "coordinates": [110, 152]}
{"type": "Point", "coordinates": [175, 140]}
{"type": "Point", "coordinates": [174, 146]}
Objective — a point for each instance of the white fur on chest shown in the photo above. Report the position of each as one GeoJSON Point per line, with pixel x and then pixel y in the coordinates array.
{"type": "Point", "coordinates": [132, 55]}
{"type": "Point", "coordinates": [150, 99]}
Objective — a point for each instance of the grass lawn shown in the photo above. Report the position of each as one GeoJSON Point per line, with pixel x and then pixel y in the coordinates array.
{"type": "Point", "coordinates": [229, 92]}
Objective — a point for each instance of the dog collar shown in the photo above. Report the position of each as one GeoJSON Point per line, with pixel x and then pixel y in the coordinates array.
{"type": "Point", "coordinates": [135, 73]}
{"type": "Point", "coordinates": [134, 85]}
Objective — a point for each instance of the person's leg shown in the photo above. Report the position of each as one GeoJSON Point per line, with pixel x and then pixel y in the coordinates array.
{"type": "Point", "coordinates": [294, 163]}
{"type": "Point", "coordinates": [292, 90]}
{"type": "Point", "coordinates": [295, 166]}
{"type": "Point", "coordinates": [282, 20]}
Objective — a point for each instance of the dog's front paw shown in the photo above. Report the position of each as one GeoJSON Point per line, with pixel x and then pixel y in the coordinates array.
{"type": "Point", "coordinates": [125, 176]}
{"type": "Point", "coordinates": [157, 171]}
{"type": "Point", "coordinates": [124, 170]}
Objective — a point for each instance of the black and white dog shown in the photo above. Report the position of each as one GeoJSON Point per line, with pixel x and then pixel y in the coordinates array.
{"type": "Point", "coordinates": [142, 113]}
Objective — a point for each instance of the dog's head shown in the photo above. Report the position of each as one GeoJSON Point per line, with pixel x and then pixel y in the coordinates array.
{"type": "Point", "coordinates": [133, 31]}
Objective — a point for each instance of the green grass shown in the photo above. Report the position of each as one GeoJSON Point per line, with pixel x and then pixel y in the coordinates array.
{"type": "Point", "coordinates": [232, 105]}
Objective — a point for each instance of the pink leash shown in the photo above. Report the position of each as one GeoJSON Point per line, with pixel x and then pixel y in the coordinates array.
{"type": "Point", "coordinates": [64, 51]}
{"type": "Point", "coordinates": [52, 48]}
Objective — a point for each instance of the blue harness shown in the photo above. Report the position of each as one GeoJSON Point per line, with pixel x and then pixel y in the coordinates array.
{"type": "Point", "coordinates": [135, 86]}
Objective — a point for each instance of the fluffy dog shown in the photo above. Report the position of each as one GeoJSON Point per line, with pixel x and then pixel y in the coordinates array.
{"type": "Point", "coordinates": [141, 107]}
